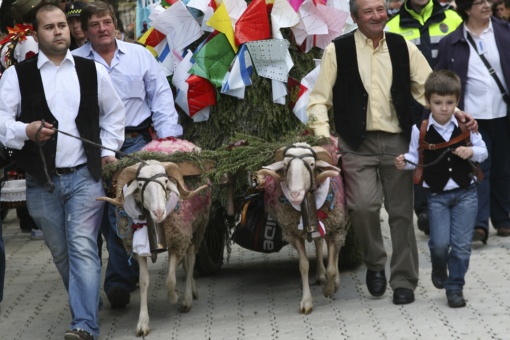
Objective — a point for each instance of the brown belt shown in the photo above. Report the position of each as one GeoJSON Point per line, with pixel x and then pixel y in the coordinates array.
{"type": "Point", "coordinates": [133, 134]}
{"type": "Point", "coordinates": [65, 171]}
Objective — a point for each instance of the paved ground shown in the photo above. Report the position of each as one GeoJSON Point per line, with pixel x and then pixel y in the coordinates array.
{"type": "Point", "coordinates": [256, 296]}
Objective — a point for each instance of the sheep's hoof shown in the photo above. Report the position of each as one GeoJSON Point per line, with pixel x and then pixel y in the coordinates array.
{"type": "Point", "coordinates": [306, 308]}
{"type": "Point", "coordinates": [320, 280]}
{"type": "Point", "coordinates": [195, 295]}
{"type": "Point", "coordinates": [328, 291]}
{"type": "Point", "coordinates": [184, 307]}
{"type": "Point", "coordinates": [142, 330]}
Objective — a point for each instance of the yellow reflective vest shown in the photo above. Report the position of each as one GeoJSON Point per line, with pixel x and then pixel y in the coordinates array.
{"type": "Point", "coordinates": [425, 29]}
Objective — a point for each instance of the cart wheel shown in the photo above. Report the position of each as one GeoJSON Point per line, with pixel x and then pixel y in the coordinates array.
{"type": "Point", "coordinates": [3, 213]}
{"type": "Point", "coordinates": [210, 255]}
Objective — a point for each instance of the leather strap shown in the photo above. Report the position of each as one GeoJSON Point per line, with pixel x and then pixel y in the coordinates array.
{"type": "Point", "coordinates": [465, 135]}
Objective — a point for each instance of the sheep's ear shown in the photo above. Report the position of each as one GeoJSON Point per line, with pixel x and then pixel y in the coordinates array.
{"type": "Point", "coordinates": [326, 166]}
{"type": "Point", "coordinates": [275, 166]}
{"type": "Point", "coordinates": [172, 187]}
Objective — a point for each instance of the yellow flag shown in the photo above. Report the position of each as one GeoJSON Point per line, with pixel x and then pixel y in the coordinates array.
{"type": "Point", "coordinates": [220, 21]}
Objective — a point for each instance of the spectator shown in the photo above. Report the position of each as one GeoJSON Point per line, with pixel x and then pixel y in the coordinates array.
{"type": "Point", "coordinates": [146, 94]}
{"type": "Point", "coordinates": [424, 23]}
{"type": "Point", "coordinates": [78, 95]}
{"type": "Point", "coordinates": [73, 10]}
{"type": "Point", "coordinates": [501, 10]}
{"type": "Point", "coordinates": [481, 97]}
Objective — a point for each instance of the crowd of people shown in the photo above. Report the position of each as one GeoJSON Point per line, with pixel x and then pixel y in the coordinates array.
{"type": "Point", "coordinates": [387, 104]}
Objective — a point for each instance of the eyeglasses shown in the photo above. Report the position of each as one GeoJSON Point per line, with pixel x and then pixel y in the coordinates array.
{"type": "Point", "coordinates": [481, 2]}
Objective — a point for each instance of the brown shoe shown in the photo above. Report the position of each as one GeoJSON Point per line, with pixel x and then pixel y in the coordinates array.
{"type": "Point", "coordinates": [503, 232]}
{"type": "Point", "coordinates": [480, 234]}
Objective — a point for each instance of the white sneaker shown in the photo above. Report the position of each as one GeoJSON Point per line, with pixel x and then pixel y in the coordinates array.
{"type": "Point", "coordinates": [36, 234]}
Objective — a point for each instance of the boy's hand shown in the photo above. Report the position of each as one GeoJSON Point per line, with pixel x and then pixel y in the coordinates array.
{"type": "Point", "coordinates": [463, 152]}
{"type": "Point", "coordinates": [400, 162]}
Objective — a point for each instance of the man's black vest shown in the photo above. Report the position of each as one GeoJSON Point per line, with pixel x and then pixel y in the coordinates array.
{"type": "Point", "coordinates": [350, 99]}
{"type": "Point", "coordinates": [450, 166]}
{"type": "Point", "coordinates": [34, 107]}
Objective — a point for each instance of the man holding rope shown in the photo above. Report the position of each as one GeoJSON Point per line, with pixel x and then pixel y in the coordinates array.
{"type": "Point", "coordinates": [77, 96]}
{"type": "Point", "coordinates": [370, 85]}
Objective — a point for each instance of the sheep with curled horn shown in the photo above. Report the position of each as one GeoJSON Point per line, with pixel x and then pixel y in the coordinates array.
{"type": "Point", "coordinates": [302, 172]}
{"type": "Point", "coordinates": [160, 188]}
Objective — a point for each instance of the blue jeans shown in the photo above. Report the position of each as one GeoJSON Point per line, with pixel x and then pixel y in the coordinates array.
{"type": "Point", "coordinates": [119, 271]}
{"type": "Point", "coordinates": [452, 217]}
{"type": "Point", "coordinates": [70, 218]}
{"type": "Point", "coordinates": [494, 191]}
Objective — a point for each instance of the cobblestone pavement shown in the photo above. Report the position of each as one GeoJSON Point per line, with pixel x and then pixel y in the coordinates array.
{"type": "Point", "coordinates": [256, 296]}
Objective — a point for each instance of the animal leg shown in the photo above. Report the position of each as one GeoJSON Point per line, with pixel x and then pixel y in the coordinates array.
{"type": "Point", "coordinates": [142, 328]}
{"type": "Point", "coordinates": [188, 295]}
{"type": "Point", "coordinates": [171, 280]}
{"type": "Point", "coordinates": [331, 285]}
{"type": "Point", "coordinates": [306, 304]}
{"type": "Point", "coordinates": [320, 274]}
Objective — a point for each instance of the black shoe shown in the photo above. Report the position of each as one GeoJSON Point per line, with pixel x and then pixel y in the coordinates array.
{"type": "Point", "coordinates": [376, 282]}
{"type": "Point", "coordinates": [403, 296]}
{"type": "Point", "coordinates": [439, 278]}
{"type": "Point", "coordinates": [455, 298]}
{"type": "Point", "coordinates": [480, 235]}
{"type": "Point", "coordinates": [78, 334]}
{"type": "Point", "coordinates": [423, 223]}
{"type": "Point", "coordinates": [118, 297]}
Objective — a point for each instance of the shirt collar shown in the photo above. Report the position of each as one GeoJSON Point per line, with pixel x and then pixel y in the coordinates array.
{"type": "Point", "coordinates": [432, 121]}
{"type": "Point", "coordinates": [488, 29]}
{"type": "Point", "coordinates": [363, 41]}
{"type": "Point", "coordinates": [42, 59]}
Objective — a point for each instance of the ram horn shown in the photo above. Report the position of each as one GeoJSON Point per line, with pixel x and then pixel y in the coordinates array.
{"type": "Point", "coordinates": [126, 175]}
{"type": "Point", "coordinates": [322, 154]}
{"type": "Point", "coordinates": [172, 170]}
{"type": "Point", "coordinates": [270, 173]}
{"type": "Point", "coordinates": [321, 177]}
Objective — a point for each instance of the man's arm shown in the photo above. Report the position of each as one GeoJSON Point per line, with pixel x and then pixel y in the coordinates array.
{"type": "Point", "coordinates": [161, 101]}
{"type": "Point", "coordinates": [13, 134]}
{"type": "Point", "coordinates": [321, 96]}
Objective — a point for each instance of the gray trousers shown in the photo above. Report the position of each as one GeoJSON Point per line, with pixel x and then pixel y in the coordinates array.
{"type": "Point", "coordinates": [370, 180]}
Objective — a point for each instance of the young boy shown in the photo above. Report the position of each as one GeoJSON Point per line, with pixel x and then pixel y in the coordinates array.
{"type": "Point", "coordinates": [452, 199]}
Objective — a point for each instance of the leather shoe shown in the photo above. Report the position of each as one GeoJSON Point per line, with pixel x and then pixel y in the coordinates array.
{"type": "Point", "coordinates": [503, 232]}
{"type": "Point", "coordinates": [118, 297]}
{"type": "Point", "coordinates": [403, 296]}
{"type": "Point", "coordinates": [480, 235]}
{"type": "Point", "coordinates": [455, 298]}
{"type": "Point", "coordinates": [376, 282]}
{"type": "Point", "coordinates": [423, 223]}
{"type": "Point", "coordinates": [439, 278]}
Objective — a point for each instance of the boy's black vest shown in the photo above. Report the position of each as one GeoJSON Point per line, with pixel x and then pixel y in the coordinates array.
{"type": "Point", "coordinates": [34, 107]}
{"type": "Point", "coordinates": [450, 166]}
{"type": "Point", "coordinates": [350, 99]}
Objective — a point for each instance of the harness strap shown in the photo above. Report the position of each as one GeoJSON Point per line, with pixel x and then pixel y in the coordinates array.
{"type": "Point", "coordinates": [465, 135]}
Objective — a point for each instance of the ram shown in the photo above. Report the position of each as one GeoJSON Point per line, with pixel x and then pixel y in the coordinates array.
{"type": "Point", "coordinates": [300, 174]}
{"type": "Point", "coordinates": [160, 188]}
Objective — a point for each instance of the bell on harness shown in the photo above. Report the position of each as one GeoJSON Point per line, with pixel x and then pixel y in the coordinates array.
{"type": "Point", "coordinates": [309, 214]}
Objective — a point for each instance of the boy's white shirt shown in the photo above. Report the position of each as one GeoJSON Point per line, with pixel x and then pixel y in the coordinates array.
{"type": "Point", "coordinates": [480, 152]}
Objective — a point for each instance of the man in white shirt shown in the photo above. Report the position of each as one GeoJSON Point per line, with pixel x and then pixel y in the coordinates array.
{"type": "Point", "coordinates": [75, 95]}
{"type": "Point", "coordinates": [146, 94]}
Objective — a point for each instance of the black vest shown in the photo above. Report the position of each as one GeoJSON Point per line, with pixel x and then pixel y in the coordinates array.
{"type": "Point", "coordinates": [450, 166]}
{"type": "Point", "coordinates": [34, 107]}
{"type": "Point", "coordinates": [350, 98]}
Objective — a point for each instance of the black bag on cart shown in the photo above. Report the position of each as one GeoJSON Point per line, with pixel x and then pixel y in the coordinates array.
{"type": "Point", "coordinates": [257, 230]}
